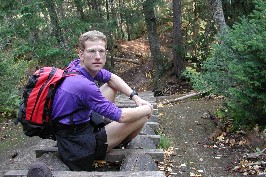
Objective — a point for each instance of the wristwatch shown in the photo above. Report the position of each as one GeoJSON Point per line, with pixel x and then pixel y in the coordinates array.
{"type": "Point", "coordinates": [132, 94]}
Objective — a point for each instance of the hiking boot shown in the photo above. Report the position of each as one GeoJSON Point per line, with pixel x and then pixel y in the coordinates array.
{"type": "Point", "coordinates": [39, 169]}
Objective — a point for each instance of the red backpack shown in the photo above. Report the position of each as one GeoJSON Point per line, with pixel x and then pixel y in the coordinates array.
{"type": "Point", "coordinates": [37, 100]}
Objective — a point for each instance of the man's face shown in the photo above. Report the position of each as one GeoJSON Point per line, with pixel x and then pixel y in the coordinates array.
{"type": "Point", "coordinates": [93, 57]}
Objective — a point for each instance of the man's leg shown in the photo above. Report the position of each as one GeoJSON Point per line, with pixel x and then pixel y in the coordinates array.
{"type": "Point", "coordinates": [108, 92]}
{"type": "Point", "coordinates": [117, 132]}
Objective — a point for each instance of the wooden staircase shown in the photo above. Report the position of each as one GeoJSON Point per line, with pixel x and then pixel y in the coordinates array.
{"type": "Point", "coordinates": [138, 159]}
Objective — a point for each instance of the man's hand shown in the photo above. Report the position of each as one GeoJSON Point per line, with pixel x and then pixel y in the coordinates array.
{"type": "Point", "coordinates": [151, 109]}
{"type": "Point", "coordinates": [140, 102]}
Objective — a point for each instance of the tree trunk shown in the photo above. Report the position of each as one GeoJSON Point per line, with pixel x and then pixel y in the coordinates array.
{"type": "Point", "coordinates": [107, 9]}
{"type": "Point", "coordinates": [218, 15]}
{"type": "Point", "coordinates": [95, 5]}
{"type": "Point", "coordinates": [148, 8]}
{"type": "Point", "coordinates": [54, 21]}
{"type": "Point", "coordinates": [78, 4]}
{"type": "Point", "coordinates": [121, 20]}
{"type": "Point", "coordinates": [177, 39]}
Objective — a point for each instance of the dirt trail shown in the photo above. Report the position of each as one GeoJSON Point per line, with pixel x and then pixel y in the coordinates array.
{"type": "Point", "coordinates": [184, 124]}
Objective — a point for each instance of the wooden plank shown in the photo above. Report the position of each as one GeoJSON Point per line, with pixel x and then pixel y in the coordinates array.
{"type": "Point", "coordinates": [155, 111]}
{"type": "Point", "coordinates": [154, 138]}
{"type": "Point", "coordinates": [154, 118]}
{"type": "Point", "coordinates": [147, 130]}
{"type": "Point", "coordinates": [154, 125]}
{"type": "Point", "coordinates": [138, 162]}
{"type": "Point", "coordinates": [141, 142]}
{"type": "Point", "coordinates": [40, 152]}
{"type": "Point", "coordinates": [126, 100]}
{"type": "Point", "coordinates": [131, 105]}
{"type": "Point", "coordinates": [115, 154]}
{"type": "Point", "coordinates": [119, 154]}
{"type": "Point", "coordinates": [23, 173]}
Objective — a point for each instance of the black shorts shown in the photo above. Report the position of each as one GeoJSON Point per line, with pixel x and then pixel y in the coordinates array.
{"type": "Point", "coordinates": [80, 145]}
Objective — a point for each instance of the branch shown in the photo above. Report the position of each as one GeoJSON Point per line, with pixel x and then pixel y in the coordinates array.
{"type": "Point", "coordinates": [118, 59]}
{"type": "Point", "coordinates": [255, 155]}
{"type": "Point", "coordinates": [262, 163]}
{"type": "Point", "coordinates": [182, 98]}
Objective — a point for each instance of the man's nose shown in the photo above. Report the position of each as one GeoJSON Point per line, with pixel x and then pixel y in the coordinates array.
{"type": "Point", "coordinates": [97, 54]}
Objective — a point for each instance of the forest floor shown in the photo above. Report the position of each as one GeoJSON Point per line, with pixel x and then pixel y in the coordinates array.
{"type": "Point", "coordinates": [197, 146]}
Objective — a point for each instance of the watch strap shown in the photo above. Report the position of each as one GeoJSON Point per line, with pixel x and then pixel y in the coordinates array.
{"type": "Point", "coordinates": [132, 94]}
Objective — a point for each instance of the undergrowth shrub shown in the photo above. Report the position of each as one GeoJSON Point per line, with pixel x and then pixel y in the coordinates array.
{"type": "Point", "coordinates": [10, 75]}
{"type": "Point", "coordinates": [165, 142]}
{"type": "Point", "coordinates": [237, 70]}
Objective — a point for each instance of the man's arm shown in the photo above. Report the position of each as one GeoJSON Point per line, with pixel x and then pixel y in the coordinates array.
{"type": "Point", "coordinates": [119, 84]}
{"type": "Point", "coordinates": [130, 114]}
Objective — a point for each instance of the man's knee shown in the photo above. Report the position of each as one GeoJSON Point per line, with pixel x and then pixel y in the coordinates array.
{"type": "Point", "coordinates": [108, 92]}
{"type": "Point", "coordinates": [122, 130]}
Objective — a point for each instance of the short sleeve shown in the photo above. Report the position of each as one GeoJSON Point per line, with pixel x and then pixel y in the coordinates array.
{"type": "Point", "coordinates": [103, 76]}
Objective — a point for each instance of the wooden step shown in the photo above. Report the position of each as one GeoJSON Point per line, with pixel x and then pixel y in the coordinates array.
{"type": "Point", "coordinates": [154, 125]}
{"type": "Point", "coordinates": [135, 162]}
{"type": "Point", "coordinates": [154, 118]}
{"type": "Point", "coordinates": [141, 142]}
{"type": "Point", "coordinates": [115, 154]}
{"type": "Point", "coordinates": [147, 130]}
{"type": "Point", "coordinates": [155, 111]}
{"type": "Point", "coordinates": [138, 162]}
{"type": "Point", "coordinates": [154, 138]}
{"type": "Point", "coordinates": [23, 173]}
{"type": "Point", "coordinates": [132, 105]}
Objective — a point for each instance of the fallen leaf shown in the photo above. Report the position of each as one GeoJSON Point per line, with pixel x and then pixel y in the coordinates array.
{"type": "Point", "coordinates": [183, 165]}
{"type": "Point", "coordinates": [220, 138]}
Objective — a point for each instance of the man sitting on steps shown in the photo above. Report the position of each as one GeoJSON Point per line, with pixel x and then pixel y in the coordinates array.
{"type": "Point", "coordinates": [79, 106]}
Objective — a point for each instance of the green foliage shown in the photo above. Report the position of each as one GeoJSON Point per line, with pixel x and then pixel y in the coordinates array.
{"type": "Point", "coordinates": [198, 29]}
{"type": "Point", "coordinates": [195, 78]}
{"type": "Point", "coordinates": [165, 142]}
{"type": "Point", "coordinates": [221, 114]}
{"type": "Point", "coordinates": [233, 9]}
{"type": "Point", "coordinates": [30, 37]}
{"type": "Point", "coordinates": [10, 75]}
{"type": "Point", "coordinates": [133, 20]}
{"type": "Point", "coordinates": [237, 70]}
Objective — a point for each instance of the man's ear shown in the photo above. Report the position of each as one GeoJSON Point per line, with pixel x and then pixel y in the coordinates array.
{"type": "Point", "coordinates": [81, 53]}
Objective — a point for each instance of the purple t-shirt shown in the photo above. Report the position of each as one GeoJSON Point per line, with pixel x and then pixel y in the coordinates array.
{"type": "Point", "coordinates": [78, 96]}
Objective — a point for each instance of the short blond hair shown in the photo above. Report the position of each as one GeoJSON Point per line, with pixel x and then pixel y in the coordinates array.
{"type": "Point", "coordinates": [91, 36]}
